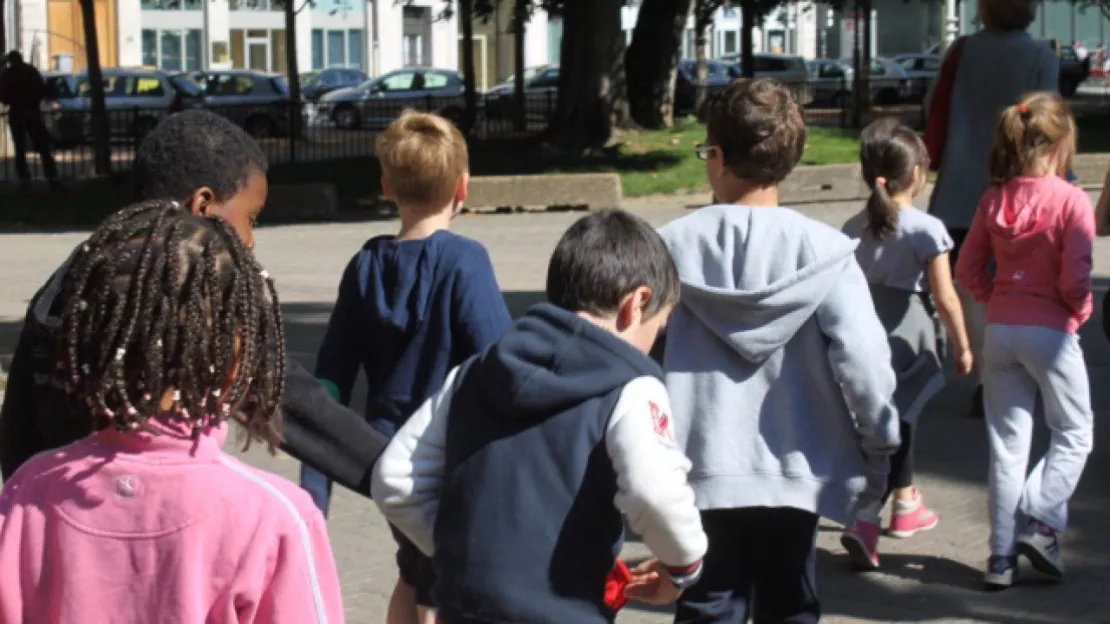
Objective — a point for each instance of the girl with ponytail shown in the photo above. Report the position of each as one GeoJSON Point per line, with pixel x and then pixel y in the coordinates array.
{"type": "Point", "coordinates": [904, 254]}
{"type": "Point", "coordinates": [1038, 229]}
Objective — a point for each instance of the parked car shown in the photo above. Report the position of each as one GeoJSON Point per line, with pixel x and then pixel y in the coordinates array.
{"type": "Point", "coordinates": [377, 102]}
{"type": "Point", "coordinates": [718, 75]}
{"type": "Point", "coordinates": [789, 70]}
{"type": "Point", "coordinates": [541, 86]}
{"type": "Point", "coordinates": [833, 81]}
{"type": "Point", "coordinates": [889, 83]}
{"type": "Point", "coordinates": [257, 101]}
{"type": "Point", "coordinates": [136, 99]}
{"type": "Point", "coordinates": [316, 83]}
{"type": "Point", "coordinates": [921, 69]}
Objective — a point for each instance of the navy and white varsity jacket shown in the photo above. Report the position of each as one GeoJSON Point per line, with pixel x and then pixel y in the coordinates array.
{"type": "Point", "coordinates": [515, 475]}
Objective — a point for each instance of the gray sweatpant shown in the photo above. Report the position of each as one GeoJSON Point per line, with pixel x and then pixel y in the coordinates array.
{"type": "Point", "coordinates": [1019, 360]}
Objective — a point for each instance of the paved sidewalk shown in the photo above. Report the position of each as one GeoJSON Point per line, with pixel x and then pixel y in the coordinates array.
{"type": "Point", "coordinates": [932, 578]}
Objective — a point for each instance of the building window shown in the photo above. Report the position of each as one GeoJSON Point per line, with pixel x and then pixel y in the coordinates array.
{"type": "Point", "coordinates": [317, 49]}
{"type": "Point", "coordinates": [172, 50]}
{"type": "Point", "coordinates": [336, 48]}
{"type": "Point", "coordinates": [413, 50]}
{"type": "Point", "coordinates": [171, 5]}
{"type": "Point", "coordinates": [354, 49]}
{"type": "Point", "coordinates": [731, 42]}
{"type": "Point", "coordinates": [256, 5]}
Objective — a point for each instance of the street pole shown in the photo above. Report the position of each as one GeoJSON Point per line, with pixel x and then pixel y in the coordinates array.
{"type": "Point", "coordinates": [952, 24]}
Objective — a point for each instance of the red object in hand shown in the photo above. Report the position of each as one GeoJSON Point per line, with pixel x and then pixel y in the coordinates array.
{"type": "Point", "coordinates": [614, 586]}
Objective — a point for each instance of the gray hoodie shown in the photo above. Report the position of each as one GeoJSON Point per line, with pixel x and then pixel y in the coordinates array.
{"type": "Point", "coordinates": [777, 365]}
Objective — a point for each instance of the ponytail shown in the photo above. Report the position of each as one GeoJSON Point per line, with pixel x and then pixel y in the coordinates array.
{"type": "Point", "coordinates": [1030, 136]}
{"type": "Point", "coordinates": [882, 211]}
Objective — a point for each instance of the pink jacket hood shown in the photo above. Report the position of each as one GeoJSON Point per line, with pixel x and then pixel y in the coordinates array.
{"type": "Point", "coordinates": [134, 527]}
{"type": "Point", "coordinates": [1019, 209]}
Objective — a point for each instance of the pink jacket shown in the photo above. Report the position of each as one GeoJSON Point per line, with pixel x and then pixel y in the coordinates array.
{"type": "Point", "coordinates": [142, 528]}
{"type": "Point", "coordinates": [1040, 232]}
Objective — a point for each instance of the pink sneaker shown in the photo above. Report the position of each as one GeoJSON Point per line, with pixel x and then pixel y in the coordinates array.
{"type": "Point", "coordinates": [910, 517]}
{"type": "Point", "coordinates": [862, 543]}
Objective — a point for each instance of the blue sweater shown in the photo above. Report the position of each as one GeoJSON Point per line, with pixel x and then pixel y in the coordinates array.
{"type": "Point", "coordinates": [407, 313]}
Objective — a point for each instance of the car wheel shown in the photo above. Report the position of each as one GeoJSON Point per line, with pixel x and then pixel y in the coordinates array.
{"type": "Point", "coordinates": [143, 126]}
{"type": "Point", "coordinates": [346, 117]}
{"type": "Point", "coordinates": [452, 114]}
{"type": "Point", "coordinates": [260, 127]}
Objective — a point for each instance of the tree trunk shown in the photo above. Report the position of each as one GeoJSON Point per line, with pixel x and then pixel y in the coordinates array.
{"type": "Point", "coordinates": [651, 61]}
{"type": "Point", "coordinates": [701, 69]}
{"type": "Point", "coordinates": [520, 102]}
{"type": "Point", "coordinates": [291, 67]}
{"type": "Point", "coordinates": [593, 97]}
{"type": "Point", "coordinates": [466, 16]}
{"type": "Point", "coordinates": [747, 38]}
{"type": "Point", "coordinates": [101, 135]}
{"type": "Point", "coordinates": [4, 29]}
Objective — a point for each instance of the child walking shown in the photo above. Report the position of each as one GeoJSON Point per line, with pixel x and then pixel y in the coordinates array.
{"type": "Point", "coordinates": [1039, 229]}
{"type": "Point", "coordinates": [170, 330]}
{"type": "Point", "coordinates": [410, 308]}
{"type": "Point", "coordinates": [515, 475]}
{"type": "Point", "coordinates": [777, 366]}
{"type": "Point", "coordinates": [904, 255]}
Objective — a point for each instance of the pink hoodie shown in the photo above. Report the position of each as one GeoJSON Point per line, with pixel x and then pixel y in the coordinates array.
{"type": "Point", "coordinates": [142, 528]}
{"type": "Point", "coordinates": [1040, 232]}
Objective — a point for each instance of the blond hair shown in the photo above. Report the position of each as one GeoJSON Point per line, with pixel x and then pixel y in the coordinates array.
{"type": "Point", "coordinates": [423, 157]}
{"type": "Point", "coordinates": [1007, 15]}
{"type": "Point", "coordinates": [1029, 135]}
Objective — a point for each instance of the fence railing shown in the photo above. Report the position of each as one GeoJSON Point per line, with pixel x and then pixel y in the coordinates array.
{"type": "Point", "coordinates": [336, 128]}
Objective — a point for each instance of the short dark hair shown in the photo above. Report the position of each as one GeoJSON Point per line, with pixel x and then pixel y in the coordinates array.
{"type": "Point", "coordinates": [605, 256]}
{"type": "Point", "coordinates": [192, 149]}
{"type": "Point", "coordinates": [1008, 15]}
{"type": "Point", "coordinates": [759, 129]}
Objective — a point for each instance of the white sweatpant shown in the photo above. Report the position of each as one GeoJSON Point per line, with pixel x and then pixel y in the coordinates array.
{"type": "Point", "coordinates": [1019, 360]}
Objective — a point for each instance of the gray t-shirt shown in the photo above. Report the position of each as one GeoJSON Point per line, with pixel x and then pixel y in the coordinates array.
{"type": "Point", "coordinates": [900, 260]}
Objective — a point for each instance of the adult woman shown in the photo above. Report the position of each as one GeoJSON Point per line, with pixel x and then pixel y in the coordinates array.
{"type": "Point", "coordinates": [997, 66]}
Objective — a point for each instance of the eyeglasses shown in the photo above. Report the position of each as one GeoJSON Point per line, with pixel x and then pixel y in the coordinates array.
{"type": "Point", "coordinates": [702, 150]}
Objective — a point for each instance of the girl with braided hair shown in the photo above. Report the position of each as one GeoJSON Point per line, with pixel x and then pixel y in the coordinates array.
{"type": "Point", "coordinates": [170, 330]}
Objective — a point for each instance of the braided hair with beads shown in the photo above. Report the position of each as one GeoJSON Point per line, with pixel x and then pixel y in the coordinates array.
{"type": "Point", "coordinates": [169, 314]}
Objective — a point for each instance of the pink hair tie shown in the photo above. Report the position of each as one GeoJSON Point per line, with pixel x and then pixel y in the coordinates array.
{"type": "Point", "coordinates": [1022, 108]}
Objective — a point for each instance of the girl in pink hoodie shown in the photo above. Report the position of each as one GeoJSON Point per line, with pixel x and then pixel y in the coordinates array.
{"type": "Point", "coordinates": [1039, 230]}
{"type": "Point", "coordinates": [171, 330]}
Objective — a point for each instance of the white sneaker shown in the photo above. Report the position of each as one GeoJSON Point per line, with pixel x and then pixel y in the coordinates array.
{"type": "Point", "coordinates": [1041, 547]}
{"type": "Point", "coordinates": [1000, 573]}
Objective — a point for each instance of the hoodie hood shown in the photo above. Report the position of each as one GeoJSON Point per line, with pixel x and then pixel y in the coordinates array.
{"type": "Point", "coordinates": [398, 279]}
{"type": "Point", "coordinates": [552, 360]}
{"type": "Point", "coordinates": [754, 276]}
{"type": "Point", "coordinates": [1016, 209]}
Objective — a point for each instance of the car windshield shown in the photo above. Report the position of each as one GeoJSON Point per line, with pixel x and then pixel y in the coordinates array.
{"type": "Point", "coordinates": [281, 84]}
{"type": "Point", "coordinates": [58, 87]}
{"type": "Point", "coordinates": [308, 77]}
{"type": "Point", "coordinates": [530, 74]}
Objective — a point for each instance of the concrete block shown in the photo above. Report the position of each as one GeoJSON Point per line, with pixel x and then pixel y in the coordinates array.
{"type": "Point", "coordinates": [289, 203]}
{"type": "Point", "coordinates": [596, 190]}
{"type": "Point", "coordinates": [823, 183]}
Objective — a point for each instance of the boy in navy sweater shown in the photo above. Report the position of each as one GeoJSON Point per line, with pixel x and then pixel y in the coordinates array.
{"type": "Point", "coordinates": [410, 308]}
{"type": "Point", "coordinates": [515, 475]}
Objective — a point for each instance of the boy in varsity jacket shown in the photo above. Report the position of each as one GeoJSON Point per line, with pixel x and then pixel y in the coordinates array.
{"type": "Point", "coordinates": [513, 477]}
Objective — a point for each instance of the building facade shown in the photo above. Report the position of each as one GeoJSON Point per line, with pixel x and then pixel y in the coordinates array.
{"type": "Point", "coordinates": [184, 35]}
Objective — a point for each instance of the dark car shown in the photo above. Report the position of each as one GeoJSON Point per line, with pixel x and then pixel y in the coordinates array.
{"type": "Point", "coordinates": [718, 76]}
{"type": "Point", "coordinates": [1072, 70]}
{"type": "Point", "coordinates": [316, 83]}
{"type": "Point", "coordinates": [541, 90]}
{"type": "Point", "coordinates": [375, 103]}
{"type": "Point", "coordinates": [257, 101]}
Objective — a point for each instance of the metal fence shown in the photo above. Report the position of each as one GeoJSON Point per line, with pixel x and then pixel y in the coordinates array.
{"type": "Point", "coordinates": [336, 129]}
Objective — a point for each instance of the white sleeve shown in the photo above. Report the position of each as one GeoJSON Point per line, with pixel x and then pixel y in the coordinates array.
{"type": "Point", "coordinates": [408, 477]}
{"type": "Point", "coordinates": [651, 475]}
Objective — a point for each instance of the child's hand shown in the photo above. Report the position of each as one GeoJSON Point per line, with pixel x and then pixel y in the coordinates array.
{"type": "Point", "coordinates": [649, 583]}
{"type": "Point", "coordinates": [965, 361]}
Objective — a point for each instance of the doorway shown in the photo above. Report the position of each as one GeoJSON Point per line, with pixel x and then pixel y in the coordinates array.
{"type": "Point", "coordinates": [258, 50]}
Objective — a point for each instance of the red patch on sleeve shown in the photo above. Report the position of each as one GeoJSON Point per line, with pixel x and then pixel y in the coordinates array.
{"type": "Point", "coordinates": [661, 421]}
